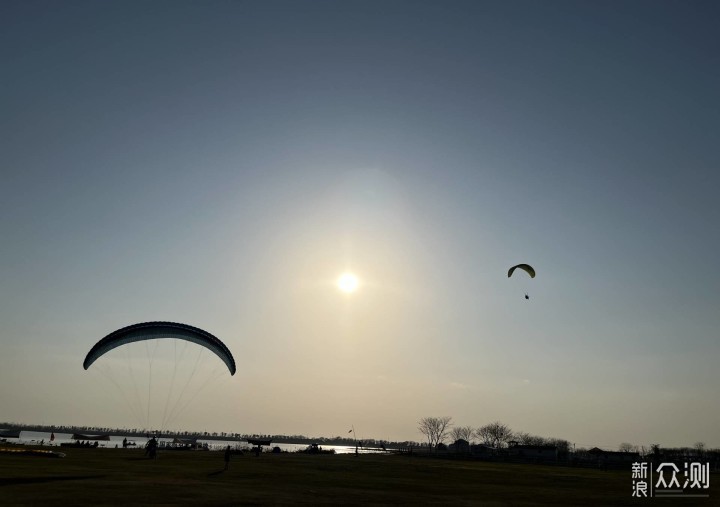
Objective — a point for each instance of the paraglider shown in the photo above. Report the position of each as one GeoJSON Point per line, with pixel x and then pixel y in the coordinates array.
{"type": "Point", "coordinates": [525, 267]}
{"type": "Point", "coordinates": [154, 330]}
{"type": "Point", "coordinates": [160, 369]}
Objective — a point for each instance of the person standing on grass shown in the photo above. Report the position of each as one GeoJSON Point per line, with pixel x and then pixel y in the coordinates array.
{"type": "Point", "coordinates": [152, 446]}
{"type": "Point", "coordinates": [227, 457]}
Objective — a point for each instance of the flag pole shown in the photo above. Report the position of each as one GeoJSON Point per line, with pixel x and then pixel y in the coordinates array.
{"type": "Point", "coordinates": [354, 439]}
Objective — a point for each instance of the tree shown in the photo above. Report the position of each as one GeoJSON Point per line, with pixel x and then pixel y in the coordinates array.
{"type": "Point", "coordinates": [563, 446]}
{"type": "Point", "coordinates": [483, 434]}
{"type": "Point", "coordinates": [494, 434]}
{"type": "Point", "coordinates": [626, 447]}
{"type": "Point", "coordinates": [435, 429]}
{"type": "Point", "coordinates": [524, 438]}
{"type": "Point", "coordinates": [462, 432]}
{"type": "Point", "coordinates": [655, 451]}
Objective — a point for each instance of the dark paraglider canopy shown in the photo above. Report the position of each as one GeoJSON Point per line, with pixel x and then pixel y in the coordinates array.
{"type": "Point", "coordinates": [525, 267]}
{"type": "Point", "coordinates": [155, 330]}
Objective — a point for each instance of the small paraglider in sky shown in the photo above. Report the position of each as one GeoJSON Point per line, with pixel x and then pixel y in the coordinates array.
{"type": "Point", "coordinates": [525, 267]}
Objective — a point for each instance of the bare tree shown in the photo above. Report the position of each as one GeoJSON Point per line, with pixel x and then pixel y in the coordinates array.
{"type": "Point", "coordinates": [561, 444]}
{"type": "Point", "coordinates": [524, 438]}
{"type": "Point", "coordinates": [435, 429]}
{"type": "Point", "coordinates": [656, 450]}
{"type": "Point", "coordinates": [495, 434]}
{"type": "Point", "coordinates": [483, 434]}
{"type": "Point", "coordinates": [462, 432]}
{"type": "Point", "coordinates": [626, 447]}
{"type": "Point", "coordinates": [700, 448]}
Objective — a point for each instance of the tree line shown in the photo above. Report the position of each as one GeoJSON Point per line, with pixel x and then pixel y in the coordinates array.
{"type": "Point", "coordinates": [495, 434]}
{"type": "Point", "coordinates": [498, 435]}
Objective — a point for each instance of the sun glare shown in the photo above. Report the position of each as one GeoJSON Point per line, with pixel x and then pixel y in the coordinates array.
{"type": "Point", "coordinates": [348, 283]}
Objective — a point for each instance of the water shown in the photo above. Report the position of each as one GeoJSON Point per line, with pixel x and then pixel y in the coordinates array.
{"type": "Point", "coordinates": [38, 437]}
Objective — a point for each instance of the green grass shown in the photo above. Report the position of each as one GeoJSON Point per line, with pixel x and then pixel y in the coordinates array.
{"type": "Point", "coordinates": [125, 477]}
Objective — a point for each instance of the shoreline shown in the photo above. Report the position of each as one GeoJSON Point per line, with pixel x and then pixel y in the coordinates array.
{"type": "Point", "coordinates": [229, 437]}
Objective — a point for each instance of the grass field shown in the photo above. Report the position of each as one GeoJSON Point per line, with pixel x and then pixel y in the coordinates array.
{"type": "Point", "coordinates": [125, 477]}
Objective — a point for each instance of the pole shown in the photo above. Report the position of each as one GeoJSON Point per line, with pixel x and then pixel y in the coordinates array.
{"type": "Point", "coordinates": [355, 440]}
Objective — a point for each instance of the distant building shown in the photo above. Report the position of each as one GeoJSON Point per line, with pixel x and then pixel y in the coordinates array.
{"type": "Point", "coordinates": [533, 452]}
{"type": "Point", "coordinates": [613, 457]}
{"type": "Point", "coordinates": [482, 450]}
{"type": "Point", "coordinates": [460, 446]}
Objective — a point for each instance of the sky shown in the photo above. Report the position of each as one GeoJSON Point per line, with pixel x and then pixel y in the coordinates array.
{"type": "Point", "coordinates": [222, 163]}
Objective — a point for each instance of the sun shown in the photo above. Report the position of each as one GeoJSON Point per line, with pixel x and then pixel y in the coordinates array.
{"type": "Point", "coordinates": [348, 283]}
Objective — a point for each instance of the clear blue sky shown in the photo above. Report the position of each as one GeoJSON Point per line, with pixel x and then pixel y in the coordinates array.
{"type": "Point", "coordinates": [221, 163]}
